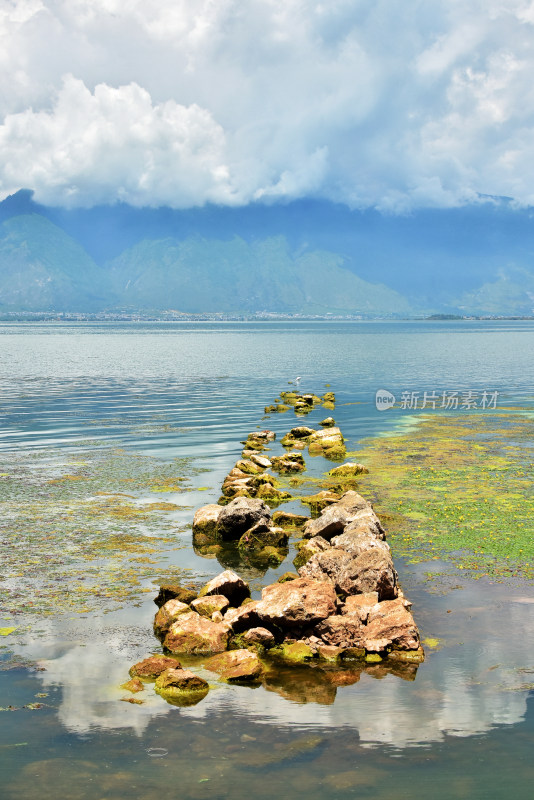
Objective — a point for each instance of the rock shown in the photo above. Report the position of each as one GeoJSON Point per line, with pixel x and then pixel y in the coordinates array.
{"type": "Point", "coordinates": [207, 606]}
{"type": "Point", "coordinates": [236, 666]}
{"type": "Point", "coordinates": [342, 631]}
{"type": "Point", "coordinates": [134, 685]}
{"type": "Point", "coordinates": [329, 422]}
{"type": "Point", "coordinates": [408, 656]}
{"type": "Point", "coordinates": [174, 592]}
{"type": "Point", "coordinates": [320, 500]}
{"type": "Point", "coordinates": [331, 522]}
{"type": "Point", "coordinates": [301, 432]}
{"type": "Point", "coordinates": [263, 535]}
{"type": "Point", "coordinates": [288, 576]}
{"type": "Point", "coordinates": [329, 443]}
{"type": "Point", "coordinates": [360, 605]}
{"type": "Point", "coordinates": [248, 467]}
{"type": "Point", "coordinates": [288, 463]}
{"type": "Point", "coordinates": [329, 397]}
{"type": "Point", "coordinates": [259, 636]}
{"type": "Point", "coordinates": [151, 667]}
{"type": "Point", "coordinates": [354, 503]}
{"type": "Point", "coordinates": [390, 621]}
{"type": "Point", "coordinates": [308, 548]}
{"type": "Point", "coordinates": [372, 571]}
{"type": "Point", "coordinates": [287, 520]}
{"type": "Point", "coordinates": [329, 652]}
{"type": "Point", "coordinates": [358, 543]}
{"type": "Point", "coordinates": [240, 515]}
{"type": "Point", "coordinates": [293, 652]}
{"type": "Point", "coordinates": [205, 520]}
{"type": "Point", "coordinates": [268, 492]}
{"type": "Point", "coordinates": [181, 685]}
{"type": "Point", "coordinates": [229, 584]}
{"type": "Point", "coordinates": [348, 470]}
{"type": "Point", "coordinates": [261, 461]}
{"type": "Point", "coordinates": [196, 635]}
{"type": "Point", "coordinates": [298, 602]}
{"type": "Point", "coordinates": [242, 618]}
{"type": "Point", "coordinates": [168, 614]}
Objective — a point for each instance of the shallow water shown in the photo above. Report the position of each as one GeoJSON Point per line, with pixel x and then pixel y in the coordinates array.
{"type": "Point", "coordinates": [462, 728]}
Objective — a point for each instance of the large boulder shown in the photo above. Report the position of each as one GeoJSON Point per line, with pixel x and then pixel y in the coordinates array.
{"type": "Point", "coordinates": [331, 522]}
{"type": "Point", "coordinates": [240, 515]}
{"type": "Point", "coordinates": [372, 571]}
{"type": "Point", "coordinates": [236, 666]}
{"type": "Point", "coordinates": [205, 520]}
{"type": "Point", "coordinates": [229, 584]}
{"type": "Point", "coordinates": [298, 602]}
{"type": "Point", "coordinates": [168, 614]}
{"type": "Point", "coordinates": [391, 621]}
{"type": "Point", "coordinates": [181, 686]}
{"type": "Point", "coordinates": [357, 543]}
{"type": "Point", "coordinates": [196, 635]}
{"type": "Point", "coordinates": [361, 605]}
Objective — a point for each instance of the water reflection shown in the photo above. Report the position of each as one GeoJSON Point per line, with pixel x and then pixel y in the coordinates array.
{"type": "Point", "coordinates": [479, 679]}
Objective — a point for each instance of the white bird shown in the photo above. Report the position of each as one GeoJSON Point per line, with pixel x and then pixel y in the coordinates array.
{"type": "Point", "coordinates": [297, 379]}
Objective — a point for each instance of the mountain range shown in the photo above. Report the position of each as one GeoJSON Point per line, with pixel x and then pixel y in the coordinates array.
{"type": "Point", "coordinates": [303, 258]}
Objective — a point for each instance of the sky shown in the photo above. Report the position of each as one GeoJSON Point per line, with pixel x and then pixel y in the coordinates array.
{"type": "Point", "coordinates": [392, 105]}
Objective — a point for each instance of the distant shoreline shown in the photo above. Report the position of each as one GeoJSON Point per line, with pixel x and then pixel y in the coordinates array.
{"type": "Point", "coordinates": [173, 316]}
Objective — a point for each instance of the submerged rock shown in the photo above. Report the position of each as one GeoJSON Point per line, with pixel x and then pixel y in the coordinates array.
{"type": "Point", "coordinates": [320, 500]}
{"type": "Point", "coordinates": [151, 667]}
{"type": "Point", "coordinates": [329, 422]}
{"type": "Point", "coordinates": [236, 666]}
{"type": "Point", "coordinates": [196, 635]}
{"type": "Point", "coordinates": [182, 686]}
{"type": "Point", "coordinates": [229, 584]}
{"type": "Point", "coordinates": [348, 470]}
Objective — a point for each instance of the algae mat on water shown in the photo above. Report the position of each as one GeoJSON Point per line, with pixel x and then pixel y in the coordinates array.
{"type": "Point", "coordinates": [83, 533]}
{"type": "Point", "coordinates": [459, 485]}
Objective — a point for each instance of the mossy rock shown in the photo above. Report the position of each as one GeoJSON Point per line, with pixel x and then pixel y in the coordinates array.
{"type": "Point", "coordinates": [285, 519]}
{"type": "Point", "coordinates": [330, 406]}
{"type": "Point", "coordinates": [336, 453]}
{"type": "Point", "coordinates": [293, 652]}
{"type": "Point", "coordinates": [329, 397]}
{"type": "Point", "coordinates": [181, 687]}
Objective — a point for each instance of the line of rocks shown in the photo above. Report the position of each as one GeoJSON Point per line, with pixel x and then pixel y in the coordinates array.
{"type": "Point", "coordinates": [345, 603]}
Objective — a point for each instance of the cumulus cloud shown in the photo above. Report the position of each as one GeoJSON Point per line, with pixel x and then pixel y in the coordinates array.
{"type": "Point", "coordinates": [393, 104]}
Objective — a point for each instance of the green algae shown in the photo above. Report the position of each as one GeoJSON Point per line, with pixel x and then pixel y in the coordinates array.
{"type": "Point", "coordinates": [84, 534]}
{"type": "Point", "coordinates": [457, 486]}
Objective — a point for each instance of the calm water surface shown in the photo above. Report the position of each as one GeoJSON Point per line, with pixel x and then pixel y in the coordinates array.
{"type": "Point", "coordinates": [463, 728]}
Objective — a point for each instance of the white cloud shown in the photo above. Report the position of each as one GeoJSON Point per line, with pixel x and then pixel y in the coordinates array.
{"type": "Point", "coordinates": [386, 103]}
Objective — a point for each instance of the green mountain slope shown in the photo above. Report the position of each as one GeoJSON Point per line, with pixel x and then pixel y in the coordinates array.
{"type": "Point", "coordinates": [233, 276]}
{"type": "Point", "coordinates": [44, 269]}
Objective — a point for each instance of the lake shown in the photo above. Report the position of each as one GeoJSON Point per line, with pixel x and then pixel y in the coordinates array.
{"type": "Point", "coordinates": [111, 435]}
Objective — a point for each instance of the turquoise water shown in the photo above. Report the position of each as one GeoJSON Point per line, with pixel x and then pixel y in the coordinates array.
{"type": "Point", "coordinates": [462, 728]}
